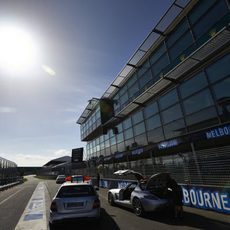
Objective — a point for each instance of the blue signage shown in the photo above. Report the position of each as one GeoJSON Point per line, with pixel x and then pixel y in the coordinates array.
{"type": "Point", "coordinates": [207, 198]}
{"type": "Point", "coordinates": [118, 155]}
{"type": "Point", "coordinates": [137, 151]}
{"type": "Point", "coordinates": [218, 132]}
{"type": "Point", "coordinates": [168, 144]}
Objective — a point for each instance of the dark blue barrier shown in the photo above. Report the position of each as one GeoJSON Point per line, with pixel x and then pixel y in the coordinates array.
{"type": "Point", "coordinates": [203, 197]}
{"type": "Point", "coordinates": [210, 198]}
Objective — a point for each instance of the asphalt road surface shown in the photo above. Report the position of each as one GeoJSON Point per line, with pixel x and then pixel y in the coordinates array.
{"type": "Point", "coordinates": [115, 218]}
{"type": "Point", "coordinates": [14, 200]}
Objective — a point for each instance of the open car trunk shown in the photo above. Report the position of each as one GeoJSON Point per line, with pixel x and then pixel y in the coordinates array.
{"type": "Point", "coordinates": [157, 185]}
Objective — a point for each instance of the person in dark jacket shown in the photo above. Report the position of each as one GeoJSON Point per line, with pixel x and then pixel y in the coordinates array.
{"type": "Point", "coordinates": [177, 196]}
{"type": "Point", "coordinates": [98, 180]}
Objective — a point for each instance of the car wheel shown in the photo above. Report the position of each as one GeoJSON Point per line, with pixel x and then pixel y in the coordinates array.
{"type": "Point", "coordinates": [137, 207]}
{"type": "Point", "coordinates": [111, 199]}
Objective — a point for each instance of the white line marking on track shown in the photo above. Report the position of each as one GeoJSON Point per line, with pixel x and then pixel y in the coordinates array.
{"type": "Point", "coordinates": [10, 196]}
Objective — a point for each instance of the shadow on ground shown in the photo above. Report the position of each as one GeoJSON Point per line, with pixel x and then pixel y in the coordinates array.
{"type": "Point", "coordinates": [106, 223]}
{"type": "Point", "coordinates": [189, 220]}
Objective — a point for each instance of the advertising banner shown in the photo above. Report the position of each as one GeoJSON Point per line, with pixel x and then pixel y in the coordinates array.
{"type": "Point", "coordinates": [203, 197]}
{"type": "Point", "coordinates": [212, 198]}
{"type": "Point", "coordinates": [77, 155]}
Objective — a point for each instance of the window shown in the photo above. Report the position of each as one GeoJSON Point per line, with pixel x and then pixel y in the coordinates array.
{"type": "Point", "coordinates": [158, 53]}
{"type": "Point", "coordinates": [202, 119]}
{"type": "Point", "coordinates": [119, 128]}
{"type": "Point", "coordinates": [213, 15]}
{"type": "Point", "coordinates": [155, 135]}
{"type": "Point", "coordinates": [193, 85]}
{"type": "Point", "coordinates": [144, 79]}
{"type": "Point", "coordinates": [222, 92]}
{"type": "Point", "coordinates": [113, 140]}
{"type": "Point", "coordinates": [176, 128]}
{"type": "Point", "coordinates": [137, 117]}
{"type": "Point", "coordinates": [128, 133]}
{"type": "Point", "coordinates": [222, 89]}
{"type": "Point", "coordinates": [133, 90]}
{"type": "Point", "coordinates": [150, 109]}
{"type": "Point", "coordinates": [124, 98]}
{"type": "Point", "coordinates": [171, 114]}
{"type": "Point", "coordinates": [139, 129]}
{"type": "Point", "coordinates": [141, 139]}
{"type": "Point", "coordinates": [199, 10]}
{"type": "Point", "coordinates": [184, 42]}
{"type": "Point", "coordinates": [160, 65]}
{"type": "Point", "coordinates": [153, 122]}
{"type": "Point", "coordinates": [76, 191]}
{"type": "Point", "coordinates": [219, 69]}
{"type": "Point", "coordinates": [127, 123]}
{"type": "Point", "coordinates": [107, 144]}
{"type": "Point", "coordinates": [143, 68]}
{"type": "Point", "coordinates": [177, 33]}
{"type": "Point", "coordinates": [120, 137]}
{"type": "Point", "coordinates": [198, 102]}
{"type": "Point", "coordinates": [168, 99]}
{"type": "Point", "coordinates": [132, 80]}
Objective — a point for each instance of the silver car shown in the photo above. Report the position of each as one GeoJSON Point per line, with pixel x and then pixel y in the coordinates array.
{"type": "Point", "coordinates": [75, 201]}
{"type": "Point", "coordinates": [60, 179]}
{"type": "Point", "coordinates": [144, 195]}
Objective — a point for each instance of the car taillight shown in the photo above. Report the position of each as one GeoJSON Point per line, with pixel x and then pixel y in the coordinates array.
{"type": "Point", "coordinates": [96, 203]}
{"type": "Point", "coordinates": [53, 206]}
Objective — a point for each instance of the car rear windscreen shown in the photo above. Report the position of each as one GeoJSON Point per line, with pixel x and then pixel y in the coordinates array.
{"type": "Point", "coordinates": [76, 191]}
{"type": "Point", "coordinates": [77, 179]}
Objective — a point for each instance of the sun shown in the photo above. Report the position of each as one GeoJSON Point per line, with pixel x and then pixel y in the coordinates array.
{"type": "Point", "coordinates": [18, 50]}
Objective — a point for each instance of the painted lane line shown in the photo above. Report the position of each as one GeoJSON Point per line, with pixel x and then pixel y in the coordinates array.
{"type": "Point", "coordinates": [34, 215]}
{"type": "Point", "coordinates": [10, 196]}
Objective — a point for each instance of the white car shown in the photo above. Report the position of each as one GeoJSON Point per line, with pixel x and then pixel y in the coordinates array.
{"type": "Point", "coordinates": [75, 201]}
{"type": "Point", "coordinates": [144, 195]}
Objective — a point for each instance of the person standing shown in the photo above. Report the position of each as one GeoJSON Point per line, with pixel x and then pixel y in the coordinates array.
{"type": "Point", "coordinates": [98, 180]}
{"type": "Point", "coordinates": [177, 196]}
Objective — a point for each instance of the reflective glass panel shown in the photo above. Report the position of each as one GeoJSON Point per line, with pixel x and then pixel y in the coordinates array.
{"type": "Point", "coordinates": [176, 128]}
{"type": "Point", "coordinates": [194, 84]}
{"type": "Point", "coordinates": [155, 135]}
{"type": "Point", "coordinates": [199, 10]}
{"type": "Point", "coordinates": [222, 92]}
{"type": "Point", "coordinates": [213, 15]}
{"type": "Point", "coordinates": [153, 122]}
{"type": "Point", "coordinates": [139, 129]}
{"type": "Point", "coordinates": [144, 79]}
{"type": "Point", "coordinates": [184, 42]}
{"type": "Point", "coordinates": [128, 133]}
{"type": "Point", "coordinates": [198, 102]}
{"type": "Point", "coordinates": [171, 114]}
{"type": "Point", "coordinates": [160, 65]}
{"type": "Point", "coordinates": [150, 109]}
{"type": "Point", "coordinates": [127, 123]}
{"type": "Point", "coordinates": [202, 119]}
{"type": "Point", "coordinates": [137, 117]}
{"type": "Point", "coordinates": [157, 53]}
{"type": "Point", "coordinates": [219, 69]}
{"type": "Point", "coordinates": [177, 32]}
{"type": "Point", "coordinates": [133, 90]}
{"type": "Point", "coordinates": [168, 99]}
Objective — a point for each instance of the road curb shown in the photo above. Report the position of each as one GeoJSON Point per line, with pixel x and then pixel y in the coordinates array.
{"type": "Point", "coordinates": [34, 216]}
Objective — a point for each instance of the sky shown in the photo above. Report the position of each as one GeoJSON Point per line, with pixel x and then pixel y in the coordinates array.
{"type": "Point", "coordinates": [80, 47]}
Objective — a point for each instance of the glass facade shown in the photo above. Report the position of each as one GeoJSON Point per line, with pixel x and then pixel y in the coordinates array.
{"type": "Point", "coordinates": [199, 100]}
{"type": "Point", "coordinates": [190, 106]}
